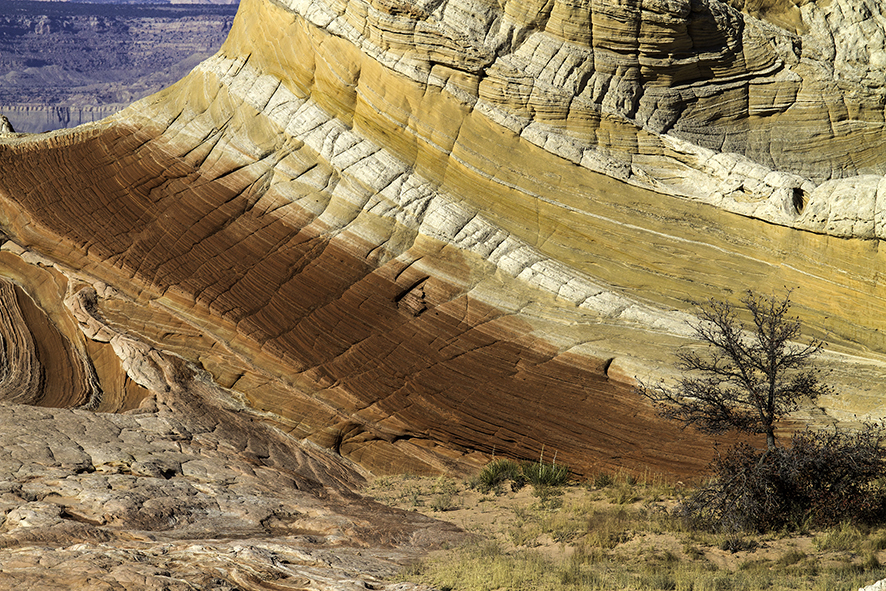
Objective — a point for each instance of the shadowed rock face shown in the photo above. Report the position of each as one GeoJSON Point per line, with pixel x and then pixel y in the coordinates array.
{"type": "Point", "coordinates": [419, 234]}
{"type": "Point", "coordinates": [355, 354]}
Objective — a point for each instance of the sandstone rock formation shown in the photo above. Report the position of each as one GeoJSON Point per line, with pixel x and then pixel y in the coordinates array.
{"type": "Point", "coordinates": [178, 494]}
{"type": "Point", "coordinates": [378, 236]}
{"type": "Point", "coordinates": [418, 233]}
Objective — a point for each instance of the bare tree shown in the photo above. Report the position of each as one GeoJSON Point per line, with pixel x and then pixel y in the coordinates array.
{"type": "Point", "coordinates": [749, 377]}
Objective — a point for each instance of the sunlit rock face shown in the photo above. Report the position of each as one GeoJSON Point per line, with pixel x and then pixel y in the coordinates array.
{"type": "Point", "coordinates": [182, 494]}
{"type": "Point", "coordinates": [417, 234]}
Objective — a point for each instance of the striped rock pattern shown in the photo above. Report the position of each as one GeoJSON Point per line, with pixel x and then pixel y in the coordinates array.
{"type": "Point", "coordinates": [420, 233]}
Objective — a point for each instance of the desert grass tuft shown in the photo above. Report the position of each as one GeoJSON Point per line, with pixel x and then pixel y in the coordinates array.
{"type": "Point", "coordinates": [497, 472]}
{"type": "Point", "coordinates": [542, 473]}
{"type": "Point", "coordinates": [844, 537]}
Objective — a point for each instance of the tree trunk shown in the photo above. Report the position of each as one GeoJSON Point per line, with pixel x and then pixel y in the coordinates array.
{"type": "Point", "coordinates": [770, 438]}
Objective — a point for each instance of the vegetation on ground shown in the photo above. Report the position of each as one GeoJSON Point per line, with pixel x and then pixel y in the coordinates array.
{"type": "Point", "coordinates": [619, 532]}
{"type": "Point", "coordinates": [539, 474]}
{"type": "Point", "coordinates": [808, 515]}
{"type": "Point", "coordinates": [497, 472]}
{"type": "Point", "coordinates": [822, 479]}
{"type": "Point", "coordinates": [749, 376]}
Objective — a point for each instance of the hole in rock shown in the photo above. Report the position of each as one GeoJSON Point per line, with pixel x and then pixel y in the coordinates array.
{"type": "Point", "coordinates": [800, 199]}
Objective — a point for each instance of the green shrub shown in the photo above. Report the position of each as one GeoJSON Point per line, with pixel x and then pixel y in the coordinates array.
{"type": "Point", "coordinates": [541, 473]}
{"type": "Point", "coordinates": [412, 494]}
{"type": "Point", "coordinates": [497, 472]}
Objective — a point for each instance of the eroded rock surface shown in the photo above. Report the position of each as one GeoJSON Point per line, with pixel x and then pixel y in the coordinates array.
{"type": "Point", "coordinates": [181, 495]}
{"type": "Point", "coordinates": [419, 234]}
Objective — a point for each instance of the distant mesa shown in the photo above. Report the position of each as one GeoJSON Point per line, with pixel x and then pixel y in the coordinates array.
{"type": "Point", "coordinates": [65, 63]}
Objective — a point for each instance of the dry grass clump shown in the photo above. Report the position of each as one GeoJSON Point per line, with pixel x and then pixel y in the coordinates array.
{"type": "Point", "coordinates": [410, 492]}
{"type": "Point", "coordinates": [489, 565]}
{"type": "Point", "coordinates": [537, 521]}
{"type": "Point", "coordinates": [844, 537]}
{"type": "Point", "coordinates": [617, 532]}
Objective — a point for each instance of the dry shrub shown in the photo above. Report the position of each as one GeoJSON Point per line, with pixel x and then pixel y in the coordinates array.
{"type": "Point", "coordinates": [822, 479]}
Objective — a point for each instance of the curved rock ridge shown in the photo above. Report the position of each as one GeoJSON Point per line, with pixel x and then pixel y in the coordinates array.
{"type": "Point", "coordinates": [747, 116]}
{"type": "Point", "coordinates": [396, 360]}
{"type": "Point", "coordinates": [446, 140]}
{"type": "Point", "coordinates": [391, 253]}
{"type": "Point", "coordinates": [37, 364]}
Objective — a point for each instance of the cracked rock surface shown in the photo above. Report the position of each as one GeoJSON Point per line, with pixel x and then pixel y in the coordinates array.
{"type": "Point", "coordinates": [185, 496]}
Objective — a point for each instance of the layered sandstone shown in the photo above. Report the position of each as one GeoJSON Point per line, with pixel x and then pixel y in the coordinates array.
{"type": "Point", "coordinates": [419, 233]}
{"type": "Point", "coordinates": [178, 494]}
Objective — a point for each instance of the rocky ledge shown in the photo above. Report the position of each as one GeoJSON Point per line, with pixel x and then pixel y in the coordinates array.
{"type": "Point", "coordinates": [180, 495]}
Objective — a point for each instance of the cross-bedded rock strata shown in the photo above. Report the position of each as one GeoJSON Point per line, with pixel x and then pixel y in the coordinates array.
{"type": "Point", "coordinates": [393, 236]}
{"type": "Point", "coordinates": [415, 234]}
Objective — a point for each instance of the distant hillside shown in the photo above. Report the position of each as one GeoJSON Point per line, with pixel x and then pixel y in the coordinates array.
{"type": "Point", "coordinates": [218, 2]}
{"type": "Point", "coordinates": [66, 63]}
